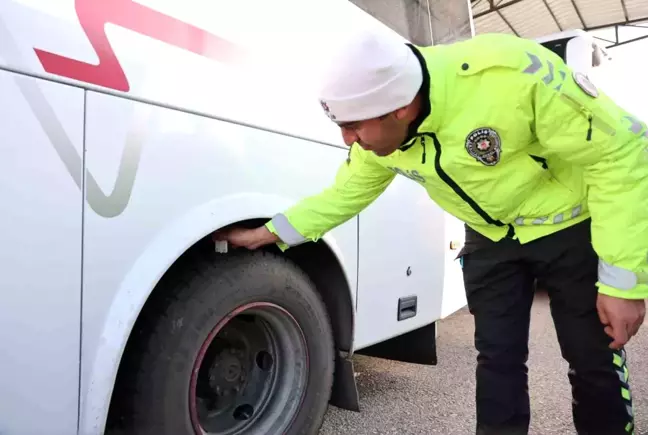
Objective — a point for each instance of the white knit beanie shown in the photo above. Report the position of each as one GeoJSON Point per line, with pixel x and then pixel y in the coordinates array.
{"type": "Point", "coordinates": [370, 75]}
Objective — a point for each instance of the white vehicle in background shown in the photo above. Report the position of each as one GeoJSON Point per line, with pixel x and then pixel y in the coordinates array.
{"type": "Point", "coordinates": [579, 49]}
{"type": "Point", "coordinates": [130, 132]}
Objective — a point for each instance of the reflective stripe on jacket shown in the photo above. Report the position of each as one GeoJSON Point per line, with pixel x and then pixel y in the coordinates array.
{"type": "Point", "coordinates": [516, 144]}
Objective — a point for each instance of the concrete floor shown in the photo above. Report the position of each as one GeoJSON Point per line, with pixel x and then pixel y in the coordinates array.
{"type": "Point", "coordinates": [398, 398]}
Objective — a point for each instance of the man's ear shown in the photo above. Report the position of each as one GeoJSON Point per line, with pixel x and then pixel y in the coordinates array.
{"type": "Point", "coordinates": [410, 112]}
{"type": "Point", "coordinates": [402, 114]}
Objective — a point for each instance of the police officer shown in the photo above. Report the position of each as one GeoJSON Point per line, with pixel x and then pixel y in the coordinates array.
{"type": "Point", "coordinates": [550, 177]}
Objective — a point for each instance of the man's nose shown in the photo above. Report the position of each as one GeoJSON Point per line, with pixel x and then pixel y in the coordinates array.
{"type": "Point", "coordinates": [349, 136]}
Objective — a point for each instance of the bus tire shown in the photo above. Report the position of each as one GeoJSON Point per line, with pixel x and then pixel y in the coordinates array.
{"type": "Point", "coordinates": [243, 346]}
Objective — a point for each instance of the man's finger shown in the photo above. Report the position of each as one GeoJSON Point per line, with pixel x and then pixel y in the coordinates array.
{"type": "Point", "coordinates": [609, 332]}
{"type": "Point", "coordinates": [602, 314]}
{"type": "Point", "coordinates": [638, 318]}
{"type": "Point", "coordinates": [619, 333]}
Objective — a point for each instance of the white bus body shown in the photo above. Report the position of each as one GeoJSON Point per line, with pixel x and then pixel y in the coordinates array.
{"type": "Point", "coordinates": [130, 131]}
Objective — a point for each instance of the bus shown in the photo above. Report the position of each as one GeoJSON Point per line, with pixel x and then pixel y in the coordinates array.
{"type": "Point", "coordinates": [131, 132]}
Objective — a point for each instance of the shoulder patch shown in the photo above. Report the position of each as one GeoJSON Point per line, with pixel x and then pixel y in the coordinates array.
{"type": "Point", "coordinates": [485, 145]}
{"type": "Point", "coordinates": [491, 50]}
{"type": "Point", "coordinates": [585, 84]}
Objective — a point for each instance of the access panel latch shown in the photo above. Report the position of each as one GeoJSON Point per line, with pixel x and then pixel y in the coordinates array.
{"type": "Point", "coordinates": [406, 307]}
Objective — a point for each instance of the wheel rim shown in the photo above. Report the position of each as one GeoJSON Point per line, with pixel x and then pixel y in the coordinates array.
{"type": "Point", "coordinates": [250, 373]}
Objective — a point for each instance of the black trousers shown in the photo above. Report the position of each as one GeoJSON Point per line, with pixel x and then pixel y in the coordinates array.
{"type": "Point", "coordinates": [499, 279]}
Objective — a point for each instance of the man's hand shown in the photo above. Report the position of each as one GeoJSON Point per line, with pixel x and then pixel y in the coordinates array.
{"type": "Point", "coordinates": [622, 317]}
{"type": "Point", "coordinates": [245, 237]}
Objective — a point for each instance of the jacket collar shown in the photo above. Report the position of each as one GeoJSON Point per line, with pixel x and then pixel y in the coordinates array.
{"type": "Point", "coordinates": [424, 92]}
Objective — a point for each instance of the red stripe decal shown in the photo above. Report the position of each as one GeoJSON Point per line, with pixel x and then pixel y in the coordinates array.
{"type": "Point", "coordinates": [95, 14]}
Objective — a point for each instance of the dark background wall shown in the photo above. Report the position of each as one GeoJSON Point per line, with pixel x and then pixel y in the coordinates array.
{"type": "Point", "coordinates": [423, 22]}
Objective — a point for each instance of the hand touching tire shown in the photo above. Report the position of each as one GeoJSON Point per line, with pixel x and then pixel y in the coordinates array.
{"type": "Point", "coordinates": [246, 237]}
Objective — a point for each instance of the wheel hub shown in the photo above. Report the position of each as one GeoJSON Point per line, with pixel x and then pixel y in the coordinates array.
{"type": "Point", "coordinates": [228, 371]}
{"type": "Point", "coordinates": [238, 385]}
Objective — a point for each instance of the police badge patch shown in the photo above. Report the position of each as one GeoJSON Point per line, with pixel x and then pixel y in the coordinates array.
{"type": "Point", "coordinates": [585, 84]}
{"type": "Point", "coordinates": [484, 145]}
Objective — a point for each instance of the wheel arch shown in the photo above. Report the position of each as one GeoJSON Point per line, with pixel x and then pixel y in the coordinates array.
{"type": "Point", "coordinates": [188, 236]}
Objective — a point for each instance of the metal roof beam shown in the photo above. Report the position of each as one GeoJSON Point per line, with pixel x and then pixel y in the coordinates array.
{"type": "Point", "coordinates": [605, 40]}
{"type": "Point", "coordinates": [618, 44]}
{"type": "Point", "coordinates": [496, 8]}
{"type": "Point", "coordinates": [638, 26]}
{"type": "Point", "coordinates": [625, 10]}
{"type": "Point", "coordinates": [552, 15]}
{"type": "Point", "coordinates": [617, 41]}
{"type": "Point", "coordinates": [621, 23]}
{"type": "Point", "coordinates": [578, 12]}
{"type": "Point", "coordinates": [507, 23]}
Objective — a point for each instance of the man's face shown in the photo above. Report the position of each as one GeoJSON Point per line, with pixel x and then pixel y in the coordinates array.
{"type": "Point", "coordinates": [381, 135]}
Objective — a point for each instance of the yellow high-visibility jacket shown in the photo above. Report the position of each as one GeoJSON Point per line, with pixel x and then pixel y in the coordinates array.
{"type": "Point", "coordinates": [515, 142]}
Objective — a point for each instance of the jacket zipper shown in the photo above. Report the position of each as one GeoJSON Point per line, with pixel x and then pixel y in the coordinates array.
{"type": "Point", "coordinates": [458, 190]}
{"type": "Point", "coordinates": [463, 195]}
{"type": "Point", "coordinates": [591, 121]}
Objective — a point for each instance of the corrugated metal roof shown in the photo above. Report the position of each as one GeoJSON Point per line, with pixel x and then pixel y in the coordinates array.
{"type": "Point", "coordinates": [536, 18]}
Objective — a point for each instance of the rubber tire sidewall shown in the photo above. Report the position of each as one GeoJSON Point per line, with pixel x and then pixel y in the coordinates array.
{"type": "Point", "coordinates": [210, 293]}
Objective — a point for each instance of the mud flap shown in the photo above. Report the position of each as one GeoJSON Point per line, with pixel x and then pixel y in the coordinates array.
{"type": "Point", "coordinates": [344, 394]}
